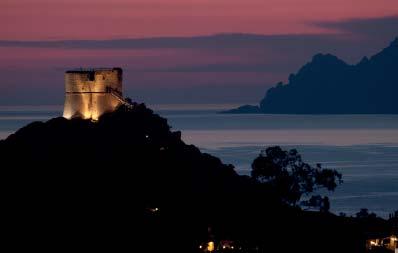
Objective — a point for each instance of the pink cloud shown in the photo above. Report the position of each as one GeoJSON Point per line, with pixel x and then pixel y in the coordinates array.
{"type": "Point", "coordinates": [88, 19]}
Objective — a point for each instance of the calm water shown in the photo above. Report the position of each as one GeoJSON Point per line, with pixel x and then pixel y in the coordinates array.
{"type": "Point", "coordinates": [363, 147]}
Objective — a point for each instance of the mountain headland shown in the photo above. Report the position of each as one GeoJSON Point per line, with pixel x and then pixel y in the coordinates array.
{"type": "Point", "coordinates": [328, 85]}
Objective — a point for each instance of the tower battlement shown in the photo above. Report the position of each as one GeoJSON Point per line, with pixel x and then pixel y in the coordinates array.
{"type": "Point", "coordinates": [89, 93]}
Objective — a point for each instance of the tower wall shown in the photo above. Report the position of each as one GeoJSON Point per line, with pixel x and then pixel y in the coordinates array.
{"type": "Point", "coordinates": [88, 92]}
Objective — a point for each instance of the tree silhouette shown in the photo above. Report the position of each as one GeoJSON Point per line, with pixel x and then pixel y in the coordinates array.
{"type": "Point", "coordinates": [289, 178]}
{"type": "Point", "coordinates": [317, 201]}
{"type": "Point", "coordinates": [364, 214]}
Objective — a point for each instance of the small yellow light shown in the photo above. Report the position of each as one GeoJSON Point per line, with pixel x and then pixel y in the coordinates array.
{"type": "Point", "coordinates": [200, 246]}
{"type": "Point", "coordinates": [210, 246]}
{"type": "Point", "coordinates": [232, 247]}
{"type": "Point", "coordinates": [223, 247]}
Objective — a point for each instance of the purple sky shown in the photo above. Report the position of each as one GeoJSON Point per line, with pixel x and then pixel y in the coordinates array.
{"type": "Point", "coordinates": [40, 39]}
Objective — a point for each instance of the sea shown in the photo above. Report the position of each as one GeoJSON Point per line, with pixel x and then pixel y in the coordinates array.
{"type": "Point", "coordinates": [364, 148]}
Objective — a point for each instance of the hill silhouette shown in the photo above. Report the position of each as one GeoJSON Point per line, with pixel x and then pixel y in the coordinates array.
{"type": "Point", "coordinates": [72, 182]}
{"type": "Point", "coordinates": [328, 85]}
{"type": "Point", "coordinates": [129, 182]}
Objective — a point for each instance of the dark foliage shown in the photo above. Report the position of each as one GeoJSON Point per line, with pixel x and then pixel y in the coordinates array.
{"type": "Point", "coordinates": [285, 174]}
{"type": "Point", "coordinates": [127, 182]}
{"type": "Point", "coordinates": [318, 201]}
{"type": "Point", "coordinates": [364, 214]}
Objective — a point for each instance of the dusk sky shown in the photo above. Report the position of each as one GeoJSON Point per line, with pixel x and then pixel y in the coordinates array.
{"type": "Point", "coordinates": [262, 42]}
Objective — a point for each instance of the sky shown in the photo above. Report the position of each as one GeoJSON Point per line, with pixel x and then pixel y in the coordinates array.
{"type": "Point", "coordinates": [175, 51]}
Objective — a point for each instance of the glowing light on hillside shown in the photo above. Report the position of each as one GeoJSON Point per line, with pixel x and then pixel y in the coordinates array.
{"type": "Point", "coordinates": [210, 246]}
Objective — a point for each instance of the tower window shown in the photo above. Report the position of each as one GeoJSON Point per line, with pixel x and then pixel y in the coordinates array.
{"type": "Point", "coordinates": [91, 76]}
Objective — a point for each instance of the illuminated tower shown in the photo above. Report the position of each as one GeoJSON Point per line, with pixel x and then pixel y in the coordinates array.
{"type": "Point", "coordinates": [89, 93]}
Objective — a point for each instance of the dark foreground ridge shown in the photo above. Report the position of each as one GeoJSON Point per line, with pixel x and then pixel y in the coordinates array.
{"type": "Point", "coordinates": [328, 85]}
{"type": "Point", "coordinates": [128, 182]}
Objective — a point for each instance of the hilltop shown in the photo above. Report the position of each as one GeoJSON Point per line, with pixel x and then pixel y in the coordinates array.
{"type": "Point", "coordinates": [127, 181]}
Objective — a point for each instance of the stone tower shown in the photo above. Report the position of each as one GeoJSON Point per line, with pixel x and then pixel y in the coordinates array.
{"type": "Point", "coordinates": [89, 93]}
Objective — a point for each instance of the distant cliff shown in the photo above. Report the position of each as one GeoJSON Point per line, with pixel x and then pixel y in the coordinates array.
{"type": "Point", "coordinates": [328, 85]}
